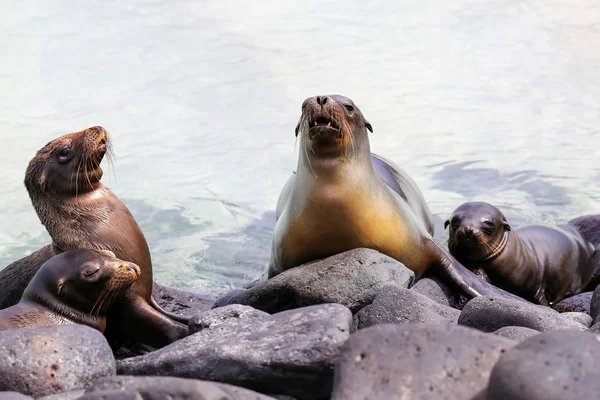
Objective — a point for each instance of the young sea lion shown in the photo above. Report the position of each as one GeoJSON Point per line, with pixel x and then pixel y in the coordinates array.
{"type": "Point", "coordinates": [63, 182]}
{"type": "Point", "coordinates": [76, 287]}
{"type": "Point", "coordinates": [343, 197]}
{"type": "Point", "coordinates": [543, 264]}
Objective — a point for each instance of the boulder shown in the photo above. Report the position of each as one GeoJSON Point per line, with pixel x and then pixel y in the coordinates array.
{"type": "Point", "coordinates": [583, 318]}
{"type": "Point", "coordinates": [489, 314]}
{"type": "Point", "coordinates": [395, 305]}
{"type": "Point", "coordinates": [578, 303]}
{"type": "Point", "coordinates": [53, 359]}
{"type": "Point", "coordinates": [224, 314]}
{"type": "Point", "coordinates": [552, 365]}
{"type": "Point", "coordinates": [181, 302]}
{"type": "Point", "coordinates": [352, 278]}
{"type": "Point", "coordinates": [416, 361]}
{"type": "Point", "coordinates": [291, 353]}
{"type": "Point", "coordinates": [518, 333]}
{"type": "Point", "coordinates": [153, 387]}
{"type": "Point", "coordinates": [434, 288]}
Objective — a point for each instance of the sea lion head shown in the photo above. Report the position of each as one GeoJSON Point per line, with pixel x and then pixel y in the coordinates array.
{"type": "Point", "coordinates": [478, 231]}
{"type": "Point", "coordinates": [68, 165]}
{"type": "Point", "coordinates": [81, 284]}
{"type": "Point", "coordinates": [332, 126]}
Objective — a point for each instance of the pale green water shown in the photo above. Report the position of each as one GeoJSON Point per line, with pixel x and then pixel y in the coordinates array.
{"type": "Point", "coordinates": [478, 100]}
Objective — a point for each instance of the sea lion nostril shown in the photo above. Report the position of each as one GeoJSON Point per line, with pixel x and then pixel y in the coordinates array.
{"type": "Point", "coordinates": [321, 100]}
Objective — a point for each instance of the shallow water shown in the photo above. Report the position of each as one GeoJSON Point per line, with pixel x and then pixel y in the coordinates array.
{"type": "Point", "coordinates": [496, 101]}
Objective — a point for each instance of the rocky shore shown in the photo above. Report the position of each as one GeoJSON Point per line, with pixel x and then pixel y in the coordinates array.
{"type": "Point", "coordinates": [353, 326]}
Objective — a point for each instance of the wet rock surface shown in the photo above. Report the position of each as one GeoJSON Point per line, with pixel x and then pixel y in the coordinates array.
{"type": "Point", "coordinates": [352, 278]}
{"type": "Point", "coordinates": [150, 388]}
{"type": "Point", "coordinates": [395, 305]}
{"type": "Point", "coordinates": [490, 314]}
{"type": "Point", "coordinates": [53, 359]}
{"type": "Point", "coordinates": [518, 333]}
{"type": "Point", "coordinates": [416, 361]}
{"type": "Point", "coordinates": [578, 303]}
{"type": "Point", "coordinates": [552, 365]}
{"type": "Point", "coordinates": [290, 353]}
{"type": "Point", "coordinates": [181, 302]}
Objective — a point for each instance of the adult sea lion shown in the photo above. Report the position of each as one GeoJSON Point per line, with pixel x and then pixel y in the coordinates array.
{"type": "Point", "coordinates": [78, 211]}
{"type": "Point", "coordinates": [543, 264]}
{"type": "Point", "coordinates": [75, 287]}
{"type": "Point", "coordinates": [343, 197]}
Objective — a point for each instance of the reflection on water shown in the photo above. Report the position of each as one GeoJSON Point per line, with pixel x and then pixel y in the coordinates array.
{"type": "Point", "coordinates": [493, 101]}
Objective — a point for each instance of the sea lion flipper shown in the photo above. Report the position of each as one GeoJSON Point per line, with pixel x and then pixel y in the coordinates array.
{"type": "Point", "coordinates": [179, 318]}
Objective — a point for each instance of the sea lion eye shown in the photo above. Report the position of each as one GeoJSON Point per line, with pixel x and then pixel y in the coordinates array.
{"type": "Point", "coordinates": [488, 224]}
{"type": "Point", "coordinates": [91, 272]}
{"type": "Point", "coordinates": [349, 107]}
{"type": "Point", "coordinates": [65, 152]}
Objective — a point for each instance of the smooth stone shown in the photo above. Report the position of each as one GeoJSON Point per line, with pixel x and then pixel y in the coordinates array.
{"type": "Point", "coordinates": [181, 302]}
{"type": "Point", "coordinates": [153, 387]}
{"type": "Point", "coordinates": [53, 359]}
{"type": "Point", "coordinates": [14, 396]}
{"type": "Point", "coordinates": [73, 395]}
{"type": "Point", "coordinates": [224, 314]}
{"type": "Point", "coordinates": [398, 305]}
{"type": "Point", "coordinates": [595, 306]}
{"type": "Point", "coordinates": [416, 361]}
{"type": "Point", "coordinates": [518, 333]}
{"type": "Point", "coordinates": [578, 303]}
{"type": "Point", "coordinates": [583, 318]}
{"type": "Point", "coordinates": [489, 314]}
{"type": "Point", "coordinates": [595, 328]}
{"type": "Point", "coordinates": [352, 278]}
{"type": "Point", "coordinates": [552, 365]}
{"type": "Point", "coordinates": [437, 290]}
{"type": "Point", "coordinates": [291, 353]}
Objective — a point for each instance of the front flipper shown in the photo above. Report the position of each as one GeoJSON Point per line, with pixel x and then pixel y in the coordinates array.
{"type": "Point", "coordinates": [456, 275]}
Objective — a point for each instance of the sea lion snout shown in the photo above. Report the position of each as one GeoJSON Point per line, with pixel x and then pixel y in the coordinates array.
{"type": "Point", "coordinates": [321, 100]}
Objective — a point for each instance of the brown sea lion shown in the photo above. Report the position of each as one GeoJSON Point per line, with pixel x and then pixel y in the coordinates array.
{"type": "Point", "coordinates": [75, 287]}
{"type": "Point", "coordinates": [342, 197]}
{"type": "Point", "coordinates": [543, 264]}
{"type": "Point", "coordinates": [78, 211]}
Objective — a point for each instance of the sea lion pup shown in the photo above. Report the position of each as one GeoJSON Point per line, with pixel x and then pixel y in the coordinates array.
{"type": "Point", "coordinates": [540, 263]}
{"type": "Point", "coordinates": [78, 211]}
{"type": "Point", "coordinates": [76, 287]}
{"type": "Point", "coordinates": [343, 197]}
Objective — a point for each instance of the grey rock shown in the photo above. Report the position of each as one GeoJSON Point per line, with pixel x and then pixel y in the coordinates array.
{"type": "Point", "coordinates": [518, 333]}
{"type": "Point", "coordinates": [552, 365]}
{"type": "Point", "coordinates": [595, 306]}
{"type": "Point", "coordinates": [437, 291]}
{"type": "Point", "coordinates": [578, 303]}
{"type": "Point", "coordinates": [416, 361]}
{"type": "Point", "coordinates": [159, 388]}
{"type": "Point", "coordinates": [589, 227]}
{"type": "Point", "coordinates": [583, 318]}
{"type": "Point", "coordinates": [181, 302]}
{"type": "Point", "coordinates": [73, 395]}
{"type": "Point", "coordinates": [290, 353]}
{"type": "Point", "coordinates": [224, 299]}
{"type": "Point", "coordinates": [352, 278]}
{"type": "Point", "coordinates": [53, 359]}
{"type": "Point", "coordinates": [595, 328]}
{"type": "Point", "coordinates": [489, 314]}
{"type": "Point", "coordinates": [14, 396]}
{"type": "Point", "coordinates": [218, 316]}
{"type": "Point", "coordinates": [398, 305]}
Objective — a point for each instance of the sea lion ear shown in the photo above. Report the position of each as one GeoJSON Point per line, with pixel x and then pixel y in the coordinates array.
{"type": "Point", "coordinates": [297, 129]}
{"type": "Point", "coordinates": [446, 224]}
{"type": "Point", "coordinates": [369, 126]}
{"type": "Point", "coordinates": [506, 226]}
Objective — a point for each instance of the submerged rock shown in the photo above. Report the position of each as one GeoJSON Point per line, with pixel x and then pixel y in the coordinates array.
{"type": "Point", "coordinates": [489, 314]}
{"type": "Point", "coordinates": [352, 278]}
{"type": "Point", "coordinates": [416, 361]}
{"type": "Point", "coordinates": [291, 353]}
{"type": "Point", "coordinates": [53, 359]}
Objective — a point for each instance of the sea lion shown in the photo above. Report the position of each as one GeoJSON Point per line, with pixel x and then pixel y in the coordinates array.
{"type": "Point", "coordinates": [78, 211]}
{"type": "Point", "coordinates": [75, 287]}
{"type": "Point", "coordinates": [343, 197]}
{"type": "Point", "coordinates": [543, 264]}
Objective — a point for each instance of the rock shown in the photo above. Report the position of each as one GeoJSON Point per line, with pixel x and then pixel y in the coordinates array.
{"type": "Point", "coordinates": [416, 361]}
{"type": "Point", "coordinates": [489, 314]}
{"type": "Point", "coordinates": [589, 227]}
{"type": "Point", "coordinates": [578, 303]}
{"type": "Point", "coordinates": [518, 333]}
{"type": "Point", "coordinates": [181, 302]}
{"type": "Point", "coordinates": [223, 300]}
{"type": "Point", "coordinates": [74, 395]}
{"type": "Point", "coordinates": [290, 353]}
{"type": "Point", "coordinates": [595, 328]}
{"type": "Point", "coordinates": [398, 305]}
{"type": "Point", "coordinates": [218, 316]}
{"type": "Point", "coordinates": [436, 290]}
{"type": "Point", "coordinates": [595, 306]}
{"type": "Point", "coordinates": [352, 278]}
{"type": "Point", "coordinates": [152, 387]}
{"type": "Point", "coordinates": [552, 365]}
{"type": "Point", "coordinates": [14, 396]}
{"type": "Point", "coordinates": [583, 318]}
{"type": "Point", "coordinates": [53, 359]}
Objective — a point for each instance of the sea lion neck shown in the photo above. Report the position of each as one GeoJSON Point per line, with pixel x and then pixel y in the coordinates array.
{"type": "Point", "coordinates": [56, 307]}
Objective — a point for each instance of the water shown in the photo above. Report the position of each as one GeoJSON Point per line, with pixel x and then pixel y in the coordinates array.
{"type": "Point", "coordinates": [496, 101]}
